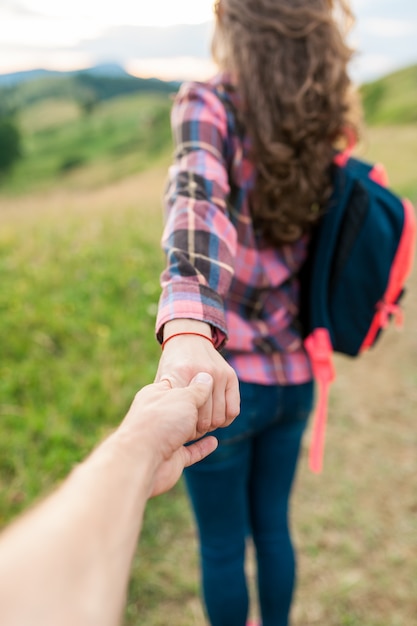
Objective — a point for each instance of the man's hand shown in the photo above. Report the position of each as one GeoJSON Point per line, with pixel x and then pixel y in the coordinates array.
{"type": "Point", "coordinates": [162, 419]}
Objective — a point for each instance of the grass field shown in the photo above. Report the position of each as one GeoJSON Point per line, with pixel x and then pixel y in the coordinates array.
{"type": "Point", "coordinates": [78, 294]}
{"type": "Point", "coordinates": [121, 136]}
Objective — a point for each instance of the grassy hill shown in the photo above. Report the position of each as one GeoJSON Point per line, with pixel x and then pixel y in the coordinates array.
{"type": "Point", "coordinates": [392, 99]}
{"type": "Point", "coordinates": [391, 118]}
{"type": "Point", "coordinates": [66, 146]}
{"type": "Point", "coordinates": [84, 127]}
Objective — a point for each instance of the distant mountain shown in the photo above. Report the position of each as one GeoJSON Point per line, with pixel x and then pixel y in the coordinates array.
{"type": "Point", "coordinates": [112, 70]}
{"type": "Point", "coordinates": [90, 85]}
{"type": "Point", "coordinates": [15, 78]}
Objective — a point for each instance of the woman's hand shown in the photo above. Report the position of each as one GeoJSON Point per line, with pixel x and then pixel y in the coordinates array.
{"type": "Point", "coordinates": [186, 355]}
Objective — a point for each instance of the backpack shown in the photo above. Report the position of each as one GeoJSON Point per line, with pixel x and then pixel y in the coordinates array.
{"type": "Point", "coordinates": [360, 256]}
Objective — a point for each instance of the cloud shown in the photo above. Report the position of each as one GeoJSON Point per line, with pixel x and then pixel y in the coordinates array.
{"type": "Point", "coordinates": [141, 42]}
{"type": "Point", "coordinates": [369, 66]}
{"type": "Point", "coordinates": [172, 68]}
{"type": "Point", "coordinates": [41, 34]}
{"type": "Point", "coordinates": [385, 9]}
{"type": "Point", "coordinates": [18, 9]}
{"type": "Point", "coordinates": [181, 51]}
{"type": "Point", "coordinates": [154, 13]}
{"type": "Point", "coordinates": [393, 28]}
{"type": "Point", "coordinates": [385, 36]}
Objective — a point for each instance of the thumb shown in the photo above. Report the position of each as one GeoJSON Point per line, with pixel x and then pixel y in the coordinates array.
{"type": "Point", "coordinates": [201, 386]}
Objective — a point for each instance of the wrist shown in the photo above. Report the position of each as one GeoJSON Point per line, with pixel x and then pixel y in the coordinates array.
{"type": "Point", "coordinates": [185, 334]}
{"type": "Point", "coordinates": [183, 326]}
{"type": "Point", "coordinates": [130, 455]}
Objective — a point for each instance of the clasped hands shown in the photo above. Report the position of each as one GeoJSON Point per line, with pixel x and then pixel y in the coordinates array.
{"type": "Point", "coordinates": [187, 354]}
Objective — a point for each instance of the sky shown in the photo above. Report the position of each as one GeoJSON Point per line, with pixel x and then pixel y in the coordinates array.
{"type": "Point", "coordinates": [170, 38]}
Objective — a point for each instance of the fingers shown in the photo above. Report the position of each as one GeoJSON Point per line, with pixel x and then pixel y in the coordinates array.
{"type": "Point", "coordinates": [171, 469]}
{"type": "Point", "coordinates": [232, 396]}
{"type": "Point", "coordinates": [202, 387]}
{"type": "Point", "coordinates": [218, 409]}
{"type": "Point", "coordinates": [199, 450]}
{"type": "Point", "coordinates": [226, 402]}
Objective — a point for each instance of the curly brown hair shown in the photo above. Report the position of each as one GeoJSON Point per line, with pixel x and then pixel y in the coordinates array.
{"type": "Point", "coordinates": [290, 61]}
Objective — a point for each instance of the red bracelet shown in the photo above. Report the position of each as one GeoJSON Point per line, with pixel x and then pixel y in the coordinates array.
{"type": "Point", "coordinates": [186, 333]}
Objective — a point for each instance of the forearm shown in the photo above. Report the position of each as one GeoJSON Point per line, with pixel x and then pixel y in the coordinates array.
{"type": "Point", "coordinates": [73, 566]}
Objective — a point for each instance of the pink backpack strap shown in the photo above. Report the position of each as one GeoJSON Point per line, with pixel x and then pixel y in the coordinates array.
{"type": "Point", "coordinates": [320, 351]}
{"type": "Point", "coordinates": [379, 175]}
{"type": "Point", "coordinates": [341, 158]}
{"type": "Point", "coordinates": [400, 271]}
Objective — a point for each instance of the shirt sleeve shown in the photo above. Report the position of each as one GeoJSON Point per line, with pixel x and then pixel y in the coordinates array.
{"type": "Point", "coordinates": [199, 239]}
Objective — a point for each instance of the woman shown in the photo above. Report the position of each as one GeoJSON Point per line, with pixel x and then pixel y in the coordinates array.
{"type": "Point", "coordinates": [250, 177]}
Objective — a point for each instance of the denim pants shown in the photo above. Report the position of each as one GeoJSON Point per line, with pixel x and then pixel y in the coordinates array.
{"type": "Point", "coordinates": [243, 490]}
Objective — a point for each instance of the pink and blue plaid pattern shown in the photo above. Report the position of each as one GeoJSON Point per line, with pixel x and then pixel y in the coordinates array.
{"type": "Point", "coordinates": [219, 269]}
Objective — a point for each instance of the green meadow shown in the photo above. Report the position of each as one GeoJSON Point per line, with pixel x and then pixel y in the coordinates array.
{"type": "Point", "coordinates": [80, 222]}
{"type": "Point", "coordinates": [63, 145]}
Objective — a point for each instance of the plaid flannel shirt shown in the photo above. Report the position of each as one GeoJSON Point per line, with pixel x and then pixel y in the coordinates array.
{"type": "Point", "coordinates": [219, 269]}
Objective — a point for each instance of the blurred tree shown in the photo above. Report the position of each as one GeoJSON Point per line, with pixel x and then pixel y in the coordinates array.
{"type": "Point", "coordinates": [88, 102]}
{"type": "Point", "coordinates": [10, 144]}
{"type": "Point", "coordinates": [9, 102]}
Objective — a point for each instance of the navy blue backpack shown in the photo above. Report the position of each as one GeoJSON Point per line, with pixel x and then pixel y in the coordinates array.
{"type": "Point", "coordinates": [360, 256]}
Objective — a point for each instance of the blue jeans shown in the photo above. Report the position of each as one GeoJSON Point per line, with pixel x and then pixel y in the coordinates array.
{"type": "Point", "coordinates": [243, 489]}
